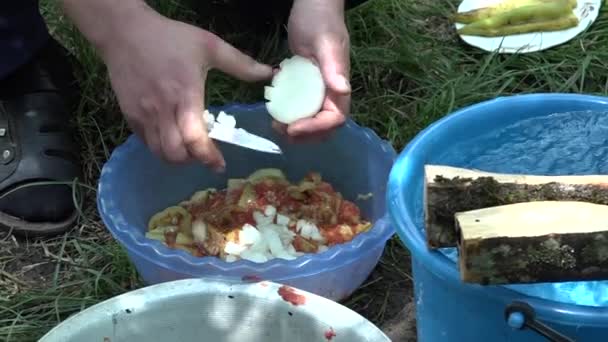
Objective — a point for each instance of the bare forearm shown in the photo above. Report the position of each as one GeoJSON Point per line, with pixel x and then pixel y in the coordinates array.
{"type": "Point", "coordinates": [100, 20]}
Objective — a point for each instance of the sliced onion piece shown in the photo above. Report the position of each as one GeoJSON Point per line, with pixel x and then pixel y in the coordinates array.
{"type": "Point", "coordinates": [249, 235]}
{"type": "Point", "coordinates": [199, 231]}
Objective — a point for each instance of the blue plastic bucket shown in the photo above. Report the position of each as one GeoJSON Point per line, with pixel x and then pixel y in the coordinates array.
{"type": "Point", "coordinates": [448, 309]}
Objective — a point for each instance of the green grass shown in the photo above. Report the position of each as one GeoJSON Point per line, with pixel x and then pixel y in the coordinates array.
{"type": "Point", "coordinates": [408, 70]}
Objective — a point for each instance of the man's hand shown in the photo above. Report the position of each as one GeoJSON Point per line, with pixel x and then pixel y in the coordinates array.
{"type": "Point", "coordinates": [317, 30]}
{"type": "Point", "coordinates": [158, 69]}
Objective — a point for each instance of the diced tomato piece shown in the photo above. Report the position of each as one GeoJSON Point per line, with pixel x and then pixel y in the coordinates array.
{"type": "Point", "coordinates": [217, 200]}
{"type": "Point", "coordinates": [261, 202]}
{"type": "Point", "coordinates": [337, 234]}
{"type": "Point", "coordinates": [349, 212]}
{"type": "Point", "coordinates": [288, 206]}
{"type": "Point", "coordinates": [263, 188]}
{"type": "Point", "coordinates": [197, 209]}
{"type": "Point", "coordinates": [273, 193]}
{"type": "Point", "coordinates": [286, 203]}
{"type": "Point", "coordinates": [234, 195]}
{"type": "Point", "coordinates": [199, 250]}
{"type": "Point", "coordinates": [325, 187]}
{"type": "Point", "coordinates": [330, 334]}
{"type": "Point", "coordinates": [170, 239]}
{"type": "Point", "coordinates": [316, 197]}
{"type": "Point", "coordinates": [252, 278]}
{"type": "Point", "coordinates": [242, 217]}
{"type": "Point", "coordinates": [269, 193]}
{"type": "Point", "coordinates": [213, 203]}
{"type": "Point", "coordinates": [302, 245]}
{"type": "Point", "coordinates": [282, 197]}
{"type": "Point", "coordinates": [290, 295]}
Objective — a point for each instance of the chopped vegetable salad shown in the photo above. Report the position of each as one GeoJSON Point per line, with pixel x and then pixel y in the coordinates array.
{"type": "Point", "coordinates": [260, 218]}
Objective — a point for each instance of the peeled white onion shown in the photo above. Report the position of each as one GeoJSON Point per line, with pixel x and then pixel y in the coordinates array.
{"type": "Point", "coordinates": [296, 92]}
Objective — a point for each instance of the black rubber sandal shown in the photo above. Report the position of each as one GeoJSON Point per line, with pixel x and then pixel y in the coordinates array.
{"type": "Point", "coordinates": [36, 145]}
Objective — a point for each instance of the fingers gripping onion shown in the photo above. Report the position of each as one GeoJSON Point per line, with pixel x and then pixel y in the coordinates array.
{"type": "Point", "coordinates": [297, 91]}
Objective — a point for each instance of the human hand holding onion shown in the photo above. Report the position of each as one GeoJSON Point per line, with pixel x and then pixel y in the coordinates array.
{"type": "Point", "coordinates": [310, 94]}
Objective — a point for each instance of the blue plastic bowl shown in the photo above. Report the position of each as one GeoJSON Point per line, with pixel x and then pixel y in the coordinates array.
{"type": "Point", "coordinates": [446, 308]}
{"type": "Point", "coordinates": [135, 184]}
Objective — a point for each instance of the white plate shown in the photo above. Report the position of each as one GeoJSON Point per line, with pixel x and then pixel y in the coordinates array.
{"type": "Point", "coordinates": [586, 11]}
{"type": "Point", "coordinates": [196, 310]}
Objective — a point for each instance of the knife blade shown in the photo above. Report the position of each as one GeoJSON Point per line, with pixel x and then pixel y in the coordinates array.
{"type": "Point", "coordinates": [223, 128]}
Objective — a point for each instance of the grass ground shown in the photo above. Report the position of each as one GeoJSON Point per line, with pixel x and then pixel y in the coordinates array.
{"type": "Point", "coordinates": [409, 69]}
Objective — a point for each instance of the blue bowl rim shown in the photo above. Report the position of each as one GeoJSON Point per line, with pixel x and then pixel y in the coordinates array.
{"type": "Point", "coordinates": [437, 262]}
{"type": "Point", "coordinates": [176, 260]}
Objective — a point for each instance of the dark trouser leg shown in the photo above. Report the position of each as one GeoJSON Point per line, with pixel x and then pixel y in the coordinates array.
{"type": "Point", "coordinates": [240, 22]}
{"type": "Point", "coordinates": [257, 11]}
{"type": "Point", "coordinates": [36, 96]}
{"type": "Point", "coordinates": [350, 4]}
{"type": "Point", "coordinates": [23, 33]}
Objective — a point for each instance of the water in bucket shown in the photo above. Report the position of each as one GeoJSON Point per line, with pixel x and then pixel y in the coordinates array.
{"type": "Point", "coordinates": [559, 144]}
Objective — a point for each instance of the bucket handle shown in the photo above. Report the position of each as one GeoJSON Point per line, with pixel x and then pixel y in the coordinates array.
{"type": "Point", "coordinates": [520, 315]}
